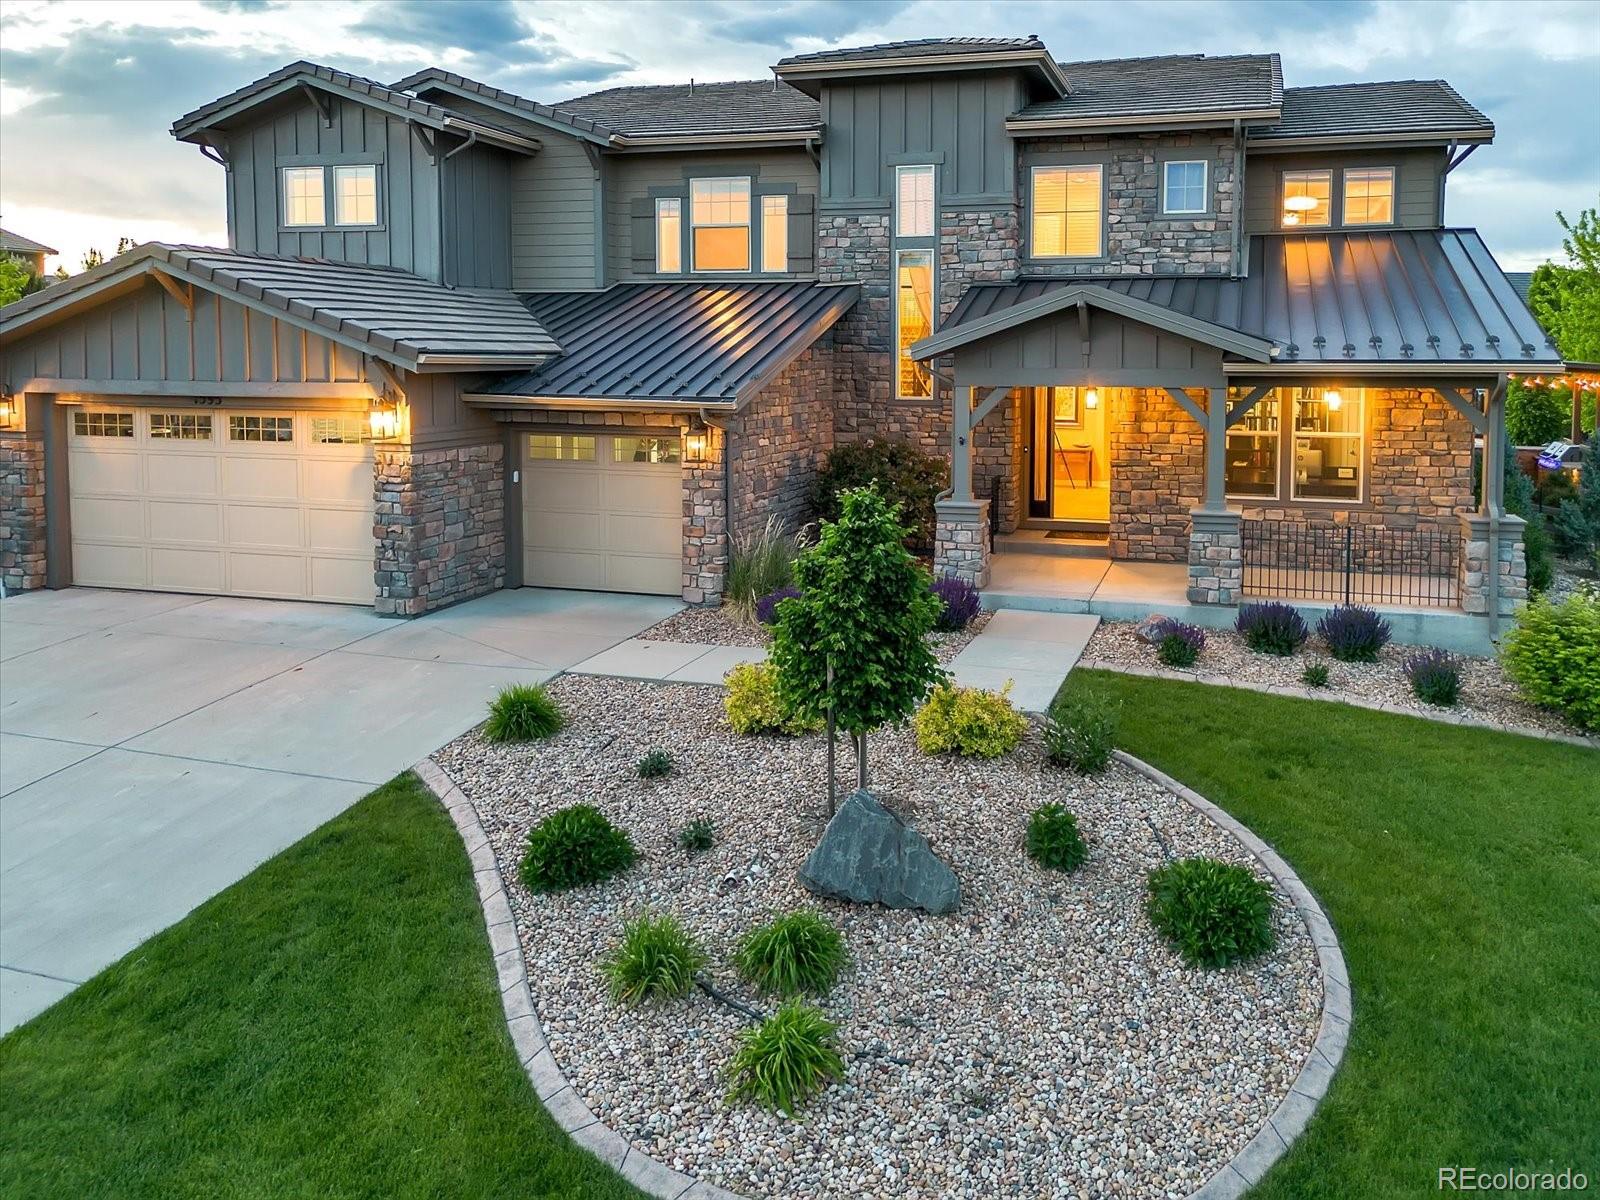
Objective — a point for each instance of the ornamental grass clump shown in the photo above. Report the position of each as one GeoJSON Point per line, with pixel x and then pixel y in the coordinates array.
{"type": "Point", "coordinates": [971, 722]}
{"type": "Point", "coordinates": [1553, 656]}
{"type": "Point", "coordinates": [1435, 677]}
{"type": "Point", "coordinates": [523, 712]}
{"type": "Point", "coordinates": [755, 707]}
{"type": "Point", "coordinates": [960, 600]}
{"type": "Point", "coordinates": [1053, 839]}
{"type": "Point", "coordinates": [786, 1058]}
{"type": "Point", "coordinates": [767, 606]}
{"type": "Point", "coordinates": [1354, 633]}
{"type": "Point", "coordinates": [573, 847]}
{"type": "Point", "coordinates": [758, 565]}
{"type": "Point", "coordinates": [1081, 732]}
{"type": "Point", "coordinates": [1271, 628]}
{"type": "Point", "coordinates": [656, 959]}
{"type": "Point", "coordinates": [698, 836]}
{"type": "Point", "coordinates": [1315, 675]}
{"type": "Point", "coordinates": [655, 764]}
{"type": "Point", "coordinates": [1213, 913]}
{"type": "Point", "coordinates": [797, 952]}
{"type": "Point", "coordinates": [1180, 644]}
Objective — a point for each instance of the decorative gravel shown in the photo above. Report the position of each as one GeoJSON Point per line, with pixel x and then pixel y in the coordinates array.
{"type": "Point", "coordinates": [1486, 692]}
{"type": "Point", "coordinates": [719, 627]}
{"type": "Point", "coordinates": [1042, 1041]}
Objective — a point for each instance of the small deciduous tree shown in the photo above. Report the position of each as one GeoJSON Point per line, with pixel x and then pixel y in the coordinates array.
{"type": "Point", "coordinates": [865, 608]}
{"type": "Point", "coordinates": [1566, 299]}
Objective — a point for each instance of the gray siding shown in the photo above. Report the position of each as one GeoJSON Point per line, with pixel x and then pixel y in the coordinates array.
{"type": "Point", "coordinates": [1417, 178]}
{"type": "Point", "coordinates": [440, 419]}
{"type": "Point", "coordinates": [632, 177]}
{"type": "Point", "coordinates": [553, 217]}
{"type": "Point", "coordinates": [477, 218]}
{"type": "Point", "coordinates": [408, 188]}
{"type": "Point", "coordinates": [1050, 351]}
{"type": "Point", "coordinates": [956, 121]}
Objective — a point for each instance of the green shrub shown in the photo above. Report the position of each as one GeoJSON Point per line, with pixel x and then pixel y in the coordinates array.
{"type": "Point", "coordinates": [1535, 413]}
{"type": "Point", "coordinates": [1536, 541]}
{"type": "Point", "coordinates": [754, 706]}
{"type": "Point", "coordinates": [905, 476]}
{"type": "Point", "coordinates": [572, 847]}
{"type": "Point", "coordinates": [973, 722]}
{"type": "Point", "coordinates": [656, 958]}
{"type": "Point", "coordinates": [1315, 675]}
{"type": "Point", "coordinates": [657, 764]}
{"type": "Point", "coordinates": [1054, 840]}
{"type": "Point", "coordinates": [1082, 731]}
{"type": "Point", "coordinates": [698, 836]}
{"type": "Point", "coordinates": [1181, 644]}
{"type": "Point", "coordinates": [1553, 656]}
{"type": "Point", "coordinates": [1213, 913]}
{"type": "Point", "coordinates": [1435, 677]}
{"type": "Point", "coordinates": [758, 565]}
{"type": "Point", "coordinates": [786, 1058]}
{"type": "Point", "coordinates": [797, 952]}
{"type": "Point", "coordinates": [522, 712]}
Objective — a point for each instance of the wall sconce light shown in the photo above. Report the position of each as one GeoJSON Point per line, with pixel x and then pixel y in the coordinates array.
{"type": "Point", "coordinates": [1333, 400]}
{"type": "Point", "coordinates": [697, 441]}
{"type": "Point", "coordinates": [385, 422]}
{"type": "Point", "coordinates": [1091, 398]}
{"type": "Point", "coordinates": [10, 410]}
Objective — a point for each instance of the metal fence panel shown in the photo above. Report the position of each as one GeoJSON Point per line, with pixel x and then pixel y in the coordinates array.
{"type": "Point", "coordinates": [1350, 564]}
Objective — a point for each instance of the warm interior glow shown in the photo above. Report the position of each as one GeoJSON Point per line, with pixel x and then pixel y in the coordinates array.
{"type": "Point", "coordinates": [1091, 398]}
{"type": "Point", "coordinates": [1334, 400]}
{"type": "Point", "coordinates": [1299, 204]}
{"type": "Point", "coordinates": [385, 423]}
{"type": "Point", "coordinates": [1291, 218]}
{"type": "Point", "coordinates": [8, 410]}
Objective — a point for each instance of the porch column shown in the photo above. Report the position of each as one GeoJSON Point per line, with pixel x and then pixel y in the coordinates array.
{"type": "Point", "coordinates": [961, 521]}
{"type": "Point", "coordinates": [1216, 444]}
{"type": "Point", "coordinates": [1216, 532]}
{"type": "Point", "coordinates": [961, 444]}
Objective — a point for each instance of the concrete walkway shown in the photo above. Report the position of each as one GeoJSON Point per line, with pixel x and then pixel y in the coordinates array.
{"type": "Point", "coordinates": [155, 748]}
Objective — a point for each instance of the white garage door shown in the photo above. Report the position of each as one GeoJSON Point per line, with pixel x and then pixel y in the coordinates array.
{"type": "Point", "coordinates": [223, 501]}
{"type": "Point", "coordinates": [603, 512]}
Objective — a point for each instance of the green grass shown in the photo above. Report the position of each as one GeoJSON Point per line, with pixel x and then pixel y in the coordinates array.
{"type": "Point", "coordinates": [329, 1026]}
{"type": "Point", "coordinates": [1462, 871]}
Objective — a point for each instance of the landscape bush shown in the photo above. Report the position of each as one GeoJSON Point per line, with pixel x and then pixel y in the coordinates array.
{"type": "Point", "coordinates": [786, 1058]}
{"type": "Point", "coordinates": [1213, 913]}
{"type": "Point", "coordinates": [972, 722]}
{"type": "Point", "coordinates": [698, 836]}
{"type": "Point", "coordinates": [767, 606]}
{"type": "Point", "coordinates": [573, 847]}
{"type": "Point", "coordinates": [906, 477]}
{"type": "Point", "coordinates": [1180, 644]}
{"type": "Point", "coordinates": [1537, 543]}
{"type": "Point", "coordinates": [522, 712]}
{"type": "Point", "coordinates": [656, 764]}
{"type": "Point", "coordinates": [655, 959]}
{"type": "Point", "coordinates": [960, 600]}
{"type": "Point", "coordinates": [1271, 628]}
{"type": "Point", "coordinates": [1553, 656]}
{"type": "Point", "coordinates": [1435, 677]}
{"type": "Point", "coordinates": [1354, 633]}
{"type": "Point", "coordinates": [754, 706]}
{"type": "Point", "coordinates": [797, 952]}
{"type": "Point", "coordinates": [1315, 675]}
{"type": "Point", "coordinates": [1081, 732]}
{"type": "Point", "coordinates": [759, 565]}
{"type": "Point", "coordinates": [1054, 840]}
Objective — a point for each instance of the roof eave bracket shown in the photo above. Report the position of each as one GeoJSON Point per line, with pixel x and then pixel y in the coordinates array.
{"type": "Point", "coordinates": [321, 102]}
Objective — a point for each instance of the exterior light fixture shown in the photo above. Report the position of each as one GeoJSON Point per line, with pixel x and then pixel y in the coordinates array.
{"type": "Point", "coordinates": [8, 411]}
{"type": "Point", "coordinates": [1091, 398]}
{"type": "Point", "coordinates": [1333, 400]}
{"type": "Point", "coordinates": [385, 422]}
{"type": "Point", "coordinates": [696, 441]}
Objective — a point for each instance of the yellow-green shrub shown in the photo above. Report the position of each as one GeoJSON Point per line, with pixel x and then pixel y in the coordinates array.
{"type": "Point", "coordinates": [753, 705]}
{"type": "Point", "coordinates": [1553, 655]}
{"type": "Point", "coordinates": [970, 721]}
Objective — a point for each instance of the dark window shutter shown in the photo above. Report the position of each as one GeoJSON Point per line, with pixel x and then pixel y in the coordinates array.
{"type": "Point", "coordinates": [642, 215]}
{"type": "Point", "coordinates": [802, 234]}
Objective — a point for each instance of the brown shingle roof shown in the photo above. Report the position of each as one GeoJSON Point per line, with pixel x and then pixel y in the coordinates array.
{"type": "Point", "coordinates": [915, 48]}
{"type": "Point", "coordinates": [1167, 84]}
{"type": "Point", "coordinates": [742, 106]}
{"type": "Point", "coordinates": [1404, 106]}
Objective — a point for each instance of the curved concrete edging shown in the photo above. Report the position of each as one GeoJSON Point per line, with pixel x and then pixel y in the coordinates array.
{"type": "Point", "coordinates": [657, 1179]}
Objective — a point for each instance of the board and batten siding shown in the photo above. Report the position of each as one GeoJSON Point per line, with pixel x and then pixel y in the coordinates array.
{"type": "Point", "coordinates": [956, 121]}
{"type": "Point", "coordinates": [477, 217]}
{"type": "Point", "coordinates": [408, 233]}
{"type": "Point", "coordinates": [553, 217]}
{"type": "Point", "coordinates": [1418, 174]}
{"type": "Point", "coordinates": [1122, 351]}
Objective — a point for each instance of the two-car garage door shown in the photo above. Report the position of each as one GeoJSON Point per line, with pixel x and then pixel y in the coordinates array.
{"type": "Point", "coordinates": [223, 501]}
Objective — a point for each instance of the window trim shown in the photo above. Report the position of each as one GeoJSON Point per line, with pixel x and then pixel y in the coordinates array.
{"type": "Point", "coordinates": [284, 171]}
{"type": "Point", "coordinates": [782, 221]}
{"type": "Point", "coordinates": [333, 170]}
{"type": "Point", "coordinates": [1285, 485]}
{"type": "Point", "coordinates": [748, 227]}
{"type": "Point", "coordinates": [932, 171]}
{"type": "Point", "coordinates": [330, 201]}
{"type": "Point", "coordinates": [933, 317]}
{"type": "Point", "coordinates": [1033, 211]}
{"type": "Point", "coordinates": [1205, 187]}
{"type": "Point", "coordinates": [1344, 197]}
{"type": "Point", "coordinates": [660, 202]}
{"type": "Point", "coordinates": [1283, 189]}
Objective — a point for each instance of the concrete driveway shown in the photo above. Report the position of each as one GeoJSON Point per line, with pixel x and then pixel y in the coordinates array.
{"type": "Point", "coordinates": [155, 748]}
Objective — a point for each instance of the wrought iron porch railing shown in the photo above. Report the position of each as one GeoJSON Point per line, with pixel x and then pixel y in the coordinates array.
{"type": "Point", "coordinates": [1350, 564]}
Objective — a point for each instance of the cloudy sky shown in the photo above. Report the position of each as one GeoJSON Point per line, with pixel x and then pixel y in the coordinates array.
{"type": "Point", "coordinates": [88, 89]}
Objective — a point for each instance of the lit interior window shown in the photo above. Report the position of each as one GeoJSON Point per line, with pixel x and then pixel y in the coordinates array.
{"type": "Point", "coordinates": [303, 203]}
{"type": "Point", "coordinates": [913, 204]}
{"type": "Point", "coordinates": [1307, 198]}
{"type": "Point", "coordinates": [913, 320]}
{"type": "Point", "coordinates": [774, 233]}
{"type": "Point", "coordinates": [719, 213]}
{"type": "Point", "coordinates": [355, 195]}
{"type": "Point", "coordinates": [1068, 215]}
{"type": "Point", "coordinates": [1369, 196]}
{"type": "Point", "coordinates": [669, 235]}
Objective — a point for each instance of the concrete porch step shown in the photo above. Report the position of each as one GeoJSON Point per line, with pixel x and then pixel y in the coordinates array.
{"type": "Point", "coordinates": [1039, 541]}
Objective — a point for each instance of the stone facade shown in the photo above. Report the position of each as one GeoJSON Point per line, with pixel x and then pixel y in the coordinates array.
{"type": "Point", "coordinates": [1510, 565]}
{"type": "Point", "coordinates": [22, 540]}
{"type": "Point", "coordinates": [961, 540]}
{"type": "Point", "coordinates": [779, 441]}
{"type": "Point", "coordinates": [705, 524]}
{"type": "Point", "coordinates": [1157, 474]}
{"type": "Point", "coordinates": [1216, 558]}
{"type": "Point", "coordinates": [439, 523]}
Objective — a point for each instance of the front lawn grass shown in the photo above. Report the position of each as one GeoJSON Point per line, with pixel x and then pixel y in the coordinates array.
{"type": "Point", "coordinates": [329, 1026]}
{"type": "Point", "coordinates": [1461, 869]}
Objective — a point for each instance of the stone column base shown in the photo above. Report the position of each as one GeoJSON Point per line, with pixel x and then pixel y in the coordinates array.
{"type": "Point", "coordinates": [1511, 568]}
{"type": "Point", "coordinates": [961, 540]}
{"type": "Point", "coordinates": [1216, 557]}
{"type": "Point", "coordinates": [22, 543]}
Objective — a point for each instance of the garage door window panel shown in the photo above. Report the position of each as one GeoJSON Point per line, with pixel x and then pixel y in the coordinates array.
{"type": "Point", "coordinates": [344, 429]}
{"type": "Point", "coordinates": [560, 447]}
{"type": "Point", "coordinates": [653, 450]}
{"type": "Point", "coordinates": [102, 424]}
{"type": "Point", "coordinates": [276, 430]}
{"type": "Point", "coordinates": [181, 427]}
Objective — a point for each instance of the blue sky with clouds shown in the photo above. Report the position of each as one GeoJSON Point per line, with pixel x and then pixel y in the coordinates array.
{"type": "Point", "coordinates": [89, 88]}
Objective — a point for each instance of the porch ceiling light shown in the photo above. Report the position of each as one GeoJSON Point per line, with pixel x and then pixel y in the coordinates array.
{"type": "Point", "coordinates": [1091, 398]}
{"type": "Point", "coordinates": [696, 441]}
{"type": "Point", "coordinates": [385, 422]}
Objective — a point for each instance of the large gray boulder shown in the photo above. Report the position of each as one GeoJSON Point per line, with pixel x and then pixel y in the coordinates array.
{"type": "Point", "coordinates": [870, 855]}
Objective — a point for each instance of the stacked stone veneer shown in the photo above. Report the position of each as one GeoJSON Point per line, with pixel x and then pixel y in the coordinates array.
{"type": "Point", "coordinates": [779, 440]}
{"type": "Point", "coordinates": [22, 541]}
{"type": "Point", "coordinates": [1509, 565]}
{"type": "Point", "coordinates": [1216, 558]}
{"type": "Point", "coordinates": [961, 540]}
{"type": "Point", "coordinates": [439, 522]}
{"type": "Point", "coordinates": [1157, 475]}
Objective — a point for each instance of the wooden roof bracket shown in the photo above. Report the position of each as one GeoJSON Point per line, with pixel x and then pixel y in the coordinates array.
{"type": "Point", "coordinates": [1083, 331]}
{"type": "Point", "coordinates": [1454, 160]}
{"type": "Point", "coordinates": [321, 102]}
{"type": "Point", "coordinates": [592, 153]}
{"type": "Point", "coordinates": [392, 386]}
{"type": "Point", "coordinates": [1251, 399]}
{"type": "Point", "coordinates": [183, 293]}
{"type": "Point", "coordinates": [1467, 408]}
{"type": "Point", "coordinates": [429, 140]}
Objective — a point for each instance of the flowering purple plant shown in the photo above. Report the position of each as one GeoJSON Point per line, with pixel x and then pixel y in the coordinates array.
{"type": "Point", "coordinates": [1271, 628]}
{"type": "Point", "coordinates": [767, 606]}
{"type": "Point", "coordinates": [1180, 644]}
{"type": "Point", "coordinates": [1435, 677]}
{"type": "Point", "coordinates": [960, 600]}
{"type": "Point", "coordinates": [1354, 633]}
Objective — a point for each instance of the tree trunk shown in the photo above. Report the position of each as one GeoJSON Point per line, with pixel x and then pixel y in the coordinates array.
{"type": "Point", "coordinates": [861, 761]}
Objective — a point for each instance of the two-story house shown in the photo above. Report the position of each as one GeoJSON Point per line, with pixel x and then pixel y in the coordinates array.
{"type": "Point", "coordinates": [462, 340]}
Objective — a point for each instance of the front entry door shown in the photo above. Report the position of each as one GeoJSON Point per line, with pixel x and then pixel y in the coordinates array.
{"type": "Point", "coordinates": [1068, 463]}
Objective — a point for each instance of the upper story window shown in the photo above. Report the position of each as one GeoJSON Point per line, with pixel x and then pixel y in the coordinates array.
{"type": "Point", "coordinates": [303, 201]}
{"type": "Point", "coordinates": [1369, 196]}
{"type": "Point", "coordinates": [774, 233]}
{"type": "Point", "coordinates": [1307, 198]}
{"type": "Point", "coordinates": [1183, 186]}
{"type": "Point", "coordinates": [669, 235]}
{"type": "Point", "coordinates": [353, 190]}
{"type": "Point", "coordinates": [1068, 205]}
{"type": "Point", "coordinates": [719, 215]}
{"type": "Point", "coordinates": [913, 201]}
{"type": "Point", "coordinates": [355, 195]}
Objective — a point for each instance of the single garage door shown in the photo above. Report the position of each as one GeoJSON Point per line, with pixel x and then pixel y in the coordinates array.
{"type": "Point", "coordinates": [603, 512]}
{"type": "Point", "coordinates": [224, 501]}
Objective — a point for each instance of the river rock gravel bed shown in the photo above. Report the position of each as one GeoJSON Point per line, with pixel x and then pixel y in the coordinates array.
{"type": "Point", "coordinates": [1042, 1041]}
{"type": "Point", "coordinates": [719, 627]}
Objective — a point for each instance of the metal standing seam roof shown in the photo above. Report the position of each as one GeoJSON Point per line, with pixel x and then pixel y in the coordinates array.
{"type": "Point", "coordinates": [382, 310]}
{"type": "Point", "coordinates": [15, 243]}
{"type": "Point", "coordinates": [694, 344]}
{"type": "Point", "coordinates": [1343, 299]}
{"type": "Point", "coordinates": [1169, 83]}
{"type": "Point", "coordinates": [1403, 106]}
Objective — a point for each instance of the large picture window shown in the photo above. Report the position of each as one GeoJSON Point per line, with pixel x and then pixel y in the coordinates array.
{"type": "Point", "coordinates": [1329, 437]}
{"type": "Point", "coordinates": [913, 272]}
{"type": "Point", "coordinates": [1307, 198]}
{"type": "Point", "coordinates": [719, 216]}
{"type": "Point", "coordinates": [1251, 454]}
{"type": "Point", "coordinates": [1369, 196]}
{"type": "Point", "coordinates": [774, 234]}
{"type": "Point", "coordinates": [1068, 206]}
{"type": "Point", "coordinates": [669, 236]}
{"type": "Point", "coordinates": [913, 201]}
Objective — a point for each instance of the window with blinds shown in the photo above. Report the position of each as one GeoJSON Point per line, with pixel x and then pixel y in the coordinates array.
{"type": "Point", "coordinates": [1068, 205]}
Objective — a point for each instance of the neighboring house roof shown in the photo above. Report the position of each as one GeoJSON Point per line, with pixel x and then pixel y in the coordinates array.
{"type": "Point", "coordinates": [15, 243]}
{"type": "Point", "coordinates": [1404, 107]}
{"type": "Point", "coordinates": [926, 54]}
{"type": "Point", "coordinates": [916, 48]}
{"type": "Point", "coordinates": [1249, 85]}
{"type": "Point", "coordinates": [192, 126]}
{"type": "Point", "coordinates": [742, 106]}
{"type": "Point", "coordinates": [691, 344]}
{"type": "Point", "coordinates": [437, 78]}
{"type": "Point", "coordinates": [1521, 280]}
{"type": "Point", "coordinates": [392, 314]}
{"type": "Point", "coordinates": [1333, 300]}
